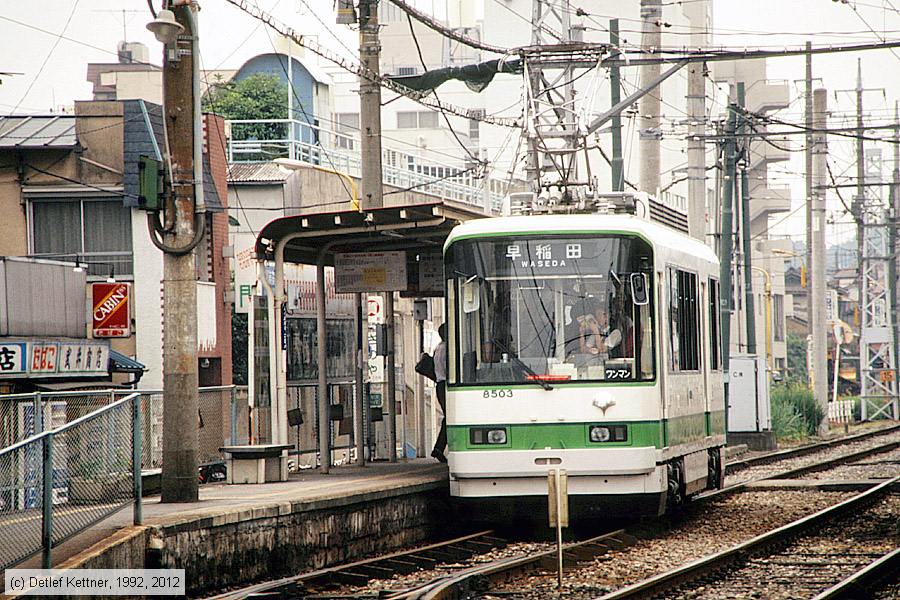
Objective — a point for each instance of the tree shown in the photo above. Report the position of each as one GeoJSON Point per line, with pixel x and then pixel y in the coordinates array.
{"type": "Point", "coordinates": [796, 358]}
{"type": "Point", "coordinates": [257, 96]}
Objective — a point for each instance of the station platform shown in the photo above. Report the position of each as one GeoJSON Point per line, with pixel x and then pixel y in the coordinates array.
{"type": "Point", "coordinates": [237, 534]}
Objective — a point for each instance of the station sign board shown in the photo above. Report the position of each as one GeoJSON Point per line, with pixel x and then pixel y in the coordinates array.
{"type": "Point", "coordinates": [370, 272]}
{"type": "Point", "coordinates": [111, 316]}
{"type": "Point", "coordinates": [53, 358]}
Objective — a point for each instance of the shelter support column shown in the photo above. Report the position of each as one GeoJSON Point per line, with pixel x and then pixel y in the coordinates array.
{"type": "Point", "coordinates": [279, 412]}
{"type": "Point", "coordinates": [390, 378]}
{"type": "Point", "coordinates": [359, 422]}
{"type": "Point", "coordinates": [322, 388]}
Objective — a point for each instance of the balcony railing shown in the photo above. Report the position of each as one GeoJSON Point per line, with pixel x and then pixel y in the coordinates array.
{"type": "Point", "coordinates": [257, 140]}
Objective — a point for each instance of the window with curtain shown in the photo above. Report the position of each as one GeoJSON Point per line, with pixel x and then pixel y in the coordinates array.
{"type": "Point", "coordinates": [98, 231]}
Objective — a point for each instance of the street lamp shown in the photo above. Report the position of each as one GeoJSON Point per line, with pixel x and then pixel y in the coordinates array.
{"type": "Point", "coordinates": [165, 27]}
{"type": "Point", "coordinates": [789, 254]}
{"type": "Point", "coordinates": [769, 334]}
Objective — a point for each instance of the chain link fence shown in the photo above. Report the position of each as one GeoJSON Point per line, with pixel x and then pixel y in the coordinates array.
{"type": "Point", "coordinates": [223, 417]}
{"type": "Point", "coordinates": [58, 483]}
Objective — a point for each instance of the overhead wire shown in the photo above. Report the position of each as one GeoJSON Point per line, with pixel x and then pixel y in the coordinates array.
{"type": "Point", "coordinates": [56, 42]}
{"type": "Point", "coordinates": [443, 114]}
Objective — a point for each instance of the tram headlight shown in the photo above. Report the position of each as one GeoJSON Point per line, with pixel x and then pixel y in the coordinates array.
{"type": "Point", "coordinates": [487, 435]}
{"type": "Point", "coordinates": [609, 433]}
{"type": "Point", "coordinates": [599, 433]}
{"type": "Point", "coordinates": [496, 436]}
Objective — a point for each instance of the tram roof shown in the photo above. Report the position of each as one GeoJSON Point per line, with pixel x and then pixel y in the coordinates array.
{"type": "Point", "coordinates": [659, 235]}
{"type": "Point", "coordinates": [421, 227]}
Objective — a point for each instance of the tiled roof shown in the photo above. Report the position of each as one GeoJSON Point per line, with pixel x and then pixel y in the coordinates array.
{"type": "Point", "coordinates": [267, 172]}
{"type": "Point", "coordinates": [38, 131]}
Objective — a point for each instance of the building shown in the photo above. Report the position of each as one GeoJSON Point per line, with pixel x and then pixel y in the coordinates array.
{"type": "Point", "coordinates": [68, 191]}
{"type": "Point", "coordinates": [766, 200]}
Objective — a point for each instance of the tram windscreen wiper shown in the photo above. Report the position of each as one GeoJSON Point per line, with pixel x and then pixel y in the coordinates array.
{"type": "Point", "coordinates": [528, 370]}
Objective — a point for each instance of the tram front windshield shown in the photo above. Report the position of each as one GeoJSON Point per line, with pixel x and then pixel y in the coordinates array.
{"type": "Point", "coordinates": [551, 309]}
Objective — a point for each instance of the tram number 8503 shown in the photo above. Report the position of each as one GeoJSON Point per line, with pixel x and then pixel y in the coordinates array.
{"type": "Point", "coordinates": [498, 393]}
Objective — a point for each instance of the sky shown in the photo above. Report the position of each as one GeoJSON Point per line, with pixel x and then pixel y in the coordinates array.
{"type": "Point", "coordinates": [53, 69]}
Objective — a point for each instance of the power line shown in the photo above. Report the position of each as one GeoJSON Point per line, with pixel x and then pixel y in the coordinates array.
{"type": "Point", "coordinates": [443, 114]}
{"type": "Point", "coordinates": [431, 23]}
{"type": "Point", "coordinates": [361, 71]}
{"type": "Point", "coordinates": [49, 54]}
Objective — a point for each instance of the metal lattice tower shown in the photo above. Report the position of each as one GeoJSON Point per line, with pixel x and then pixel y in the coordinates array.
{"type": "Point", "coordinates": [551, 114]}
{"type": "Point", "coordinates": [878, 363]}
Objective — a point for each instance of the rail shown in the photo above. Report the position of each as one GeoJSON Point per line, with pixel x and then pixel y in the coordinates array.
{"type": "Point", "coordinates": [57, 483]}
{"type": "Point", "coordinates": [261, 140]}
{"type": "Point", "coordinates": [670, 580]}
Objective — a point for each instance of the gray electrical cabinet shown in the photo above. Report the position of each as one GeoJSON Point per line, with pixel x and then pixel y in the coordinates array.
{"type": "Point", "coordinates": [749, 409]}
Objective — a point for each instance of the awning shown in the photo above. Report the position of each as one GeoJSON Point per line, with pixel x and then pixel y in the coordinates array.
{"type": "Point", "coordinates": [409, 227]}
{"type": "Point", "coordinates": [119, 363]}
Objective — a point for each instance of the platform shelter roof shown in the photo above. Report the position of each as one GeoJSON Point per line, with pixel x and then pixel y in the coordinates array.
{"type": "Point", "coordinates": [411, 227]}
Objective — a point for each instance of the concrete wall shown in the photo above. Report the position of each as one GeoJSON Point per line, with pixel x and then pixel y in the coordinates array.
{"type": "Point", "coordinates": [234, 548]}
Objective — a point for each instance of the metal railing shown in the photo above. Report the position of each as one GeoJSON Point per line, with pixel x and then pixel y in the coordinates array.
{"type": "Point", "coordinates": [223, 417]}
{"type": "Point", "coordinates": [259, 140]}
{"type": "Point", "coordinates": [56, 484]}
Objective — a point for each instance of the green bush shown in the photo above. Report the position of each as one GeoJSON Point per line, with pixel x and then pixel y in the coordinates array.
{"type": "Point", "coordinates": [795, 413]}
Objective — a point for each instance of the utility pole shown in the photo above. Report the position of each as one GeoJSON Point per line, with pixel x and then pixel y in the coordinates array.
{"type": "Point", "coordinates": [809, 174]}
{"type": "Point", "coordinates": [370, 107]}
{"type": "Point", "coordinates": [649, 131]}
{"type": "Point", "coordinates": [182, 231]}
{"type": "Point", "coordinates": [726, 293]}
{"type": "Point", "coordinates": [859, 198]}
{"type": "Point", "coordinates": [817, 268]}
{"type": "Point", "coordinates": [615, 96]}
{"type": "Point", "coordinates": [893, 216]}
{"type": "Point", "coordinates": [696, 151]}
{"type": "Point", "coordinates": [749, 308]}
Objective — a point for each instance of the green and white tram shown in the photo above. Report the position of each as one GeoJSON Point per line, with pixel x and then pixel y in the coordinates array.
{"type": "Point", "coordinates": [588, 343]}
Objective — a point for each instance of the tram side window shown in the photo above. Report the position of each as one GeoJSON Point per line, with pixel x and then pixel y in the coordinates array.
{"type": "Point", "coordinates": [684, 320]}
{"type": "Point", "coordinates": [715, 344]}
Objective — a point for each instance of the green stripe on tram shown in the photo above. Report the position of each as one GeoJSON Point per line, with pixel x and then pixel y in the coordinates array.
{"type": "Point", "coordinates": [533, 436]}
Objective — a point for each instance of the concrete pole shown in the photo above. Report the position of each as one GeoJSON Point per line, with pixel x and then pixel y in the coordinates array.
{"type": "Point", "coordinates": [696, 151]}
{"type": "Point", "coordinates": [390, 395]}
{"type": "Point", "coordinates": [893, 221]}
{"type": "Point", "coordinates": [370, 107]}
{"type": "Point", "coordinates": [749, 304]}
{"type": "Point", "coordinates": [359, 422]}
{"type": "Point", "coordinates": [726, 293]}
{"type": "Point", "coordinates": [180, 395]}
{"type": "Point", "coordinates": [857, 210]}
{"type": "Point", "coordinates": [322, 359]}
{"type": "Point", "coordinates": [818, 283]}
{"type": "Point", "coordinates": [649, 132]}
{"type": "Point", "coordinates": [617, 164]}
{"type": "Point", "coordinates": [809, 175]}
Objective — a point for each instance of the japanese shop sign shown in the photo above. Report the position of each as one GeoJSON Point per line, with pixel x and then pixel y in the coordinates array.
{"type": "Point", "coordinates": [46, 358]}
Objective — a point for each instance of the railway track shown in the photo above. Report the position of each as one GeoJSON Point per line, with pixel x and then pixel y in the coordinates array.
{"type": "Point", "coordinates": [866, 582]}
{"type": "Point", "coordinates": [807, 464]}
{"type": "Point", "coordinates": [318, 583]}
{"type": "Point", "coordinates": [455, 575]}
{"type": "Point", "coordinates": [794, 561]}
{"type": "Point", "coordinates": [799, 451]}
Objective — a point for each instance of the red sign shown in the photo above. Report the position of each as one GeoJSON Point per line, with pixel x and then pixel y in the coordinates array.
{"type": "Point", "coordinates": [112, 312]}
